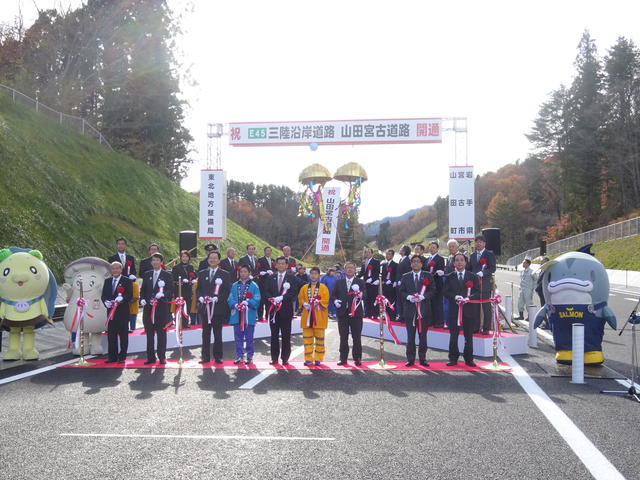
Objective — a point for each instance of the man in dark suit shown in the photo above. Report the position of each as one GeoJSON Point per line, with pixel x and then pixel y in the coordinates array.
{"type": "Point", "coordinates": [291, 262]}
{"type": "Point", "coordinates": [266, 266]}
{"type": "Point", "coordinates": [404, 266]}
{"type": "Point", "coordinates": [215, 283]}
{"type": "Point", "coordinates": [389, 269]}
{"type": "Point", "coordinates": [346, 291]}
{"type": "Point", "coordinates": [127, 261]}
{"type": "Point", "coordinates": [455, 291]}
{"type": "Point", "coordinates": [417, 288]}
{"type": "Point", "coordinates": [231, 265]}
{"type": "Point", "coordinates": [209, 247]}
{"type": "Point", "coordinates": [145, 263]}
{"type": "Point", "coordinates": [282, 292]}
{"type": "Point", "coordinates": [419, 251]}
{"type": "Point", "coordinates": [436, 265]}
{"type": "Point", "coordinates": [370, 273]}
{"type": "Point", "coordinates": [117, 289]}
{"type": "Point", "coordinates": [157, 285]}
{"type": "Point", "coordinates": [482, 262]}
{"type": "Point", "coordinates": [251, 260]}
{"type": "Point", "coordinates": [453, 247]}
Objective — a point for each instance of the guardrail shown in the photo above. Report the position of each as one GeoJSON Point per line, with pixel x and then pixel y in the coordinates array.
{"type": "Point", "coordinates": [626, 228]}
{"type": "Point", "coordinates": [78, 124]}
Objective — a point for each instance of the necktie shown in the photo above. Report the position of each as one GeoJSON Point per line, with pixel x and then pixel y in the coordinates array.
{"type": "Point", "coordinates": [415, 279]}
{"type": "Point", "coordinates": [113, 285]}
{"type": "Point", "coordinates": [279, 282]}
{"type": "Point", "coordinates": [460, 276]}
{"type": "Point", "coordinates": [253, 265]}
{"type": "Point", "coordinates": [348, 284]}
{"type": "Point", "coordinates": [122, 259]}
{"type": "Point", "coordinates": [155, 277]}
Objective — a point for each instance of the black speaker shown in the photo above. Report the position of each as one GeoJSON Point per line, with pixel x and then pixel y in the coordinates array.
{"type": "Point", "coordinates": [543, 248]}
{"type": "Point", "coordinates": [189, 241]}
{"type": "Point", "coordinates": [492, 236]}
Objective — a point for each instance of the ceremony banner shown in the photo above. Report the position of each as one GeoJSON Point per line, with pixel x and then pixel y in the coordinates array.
{"type": "Point", "coordinates": [326, 239]}
{"type": "Point", "coordinates": [336, 132]}
{"type": "Point", "coordinates": [462, 218]}
{"type": "Point", "coordinates": [213, 204]}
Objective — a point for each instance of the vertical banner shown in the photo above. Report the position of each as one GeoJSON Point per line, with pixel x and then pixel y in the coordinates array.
{"type": "Point", "coordinates": [326, 237]}
{"type": "Point", "coordinates": [213, 204]}
{"type": "Point", "coordinates": [462, 218]}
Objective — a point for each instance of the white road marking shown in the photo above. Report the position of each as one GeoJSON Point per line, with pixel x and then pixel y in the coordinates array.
{"type": "Point", "coordinates": [612, 295]}
{"type": "Point", "coordinates": [539, 331]}
{"type": "Point", "coordinates": [627, 384]}
{"type": "Point", "coordinates": [631, 299]}
{"type": "Point", "coordinates": [589, 455]}
{"type": "Point", "coordinates": [39, 370]}
{"type": "Point", "coordinates": [198, 437]}
{"type": "Point", "coordinates": [266, 373]}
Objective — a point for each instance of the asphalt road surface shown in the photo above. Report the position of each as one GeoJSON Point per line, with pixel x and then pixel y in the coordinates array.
{"type": "Point", "coordinates": [69, 423]}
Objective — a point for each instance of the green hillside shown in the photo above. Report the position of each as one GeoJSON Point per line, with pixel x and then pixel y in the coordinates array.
{"type": "Point", "coordinates": [420, 236]}
{"type": "Point", "coordinates": [620, 254]}
{"type": "Point", "coordinates": [69, 197]}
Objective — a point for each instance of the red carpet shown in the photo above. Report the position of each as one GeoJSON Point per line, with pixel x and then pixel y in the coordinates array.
{"type": "Point", "coordinates": [264, 365]}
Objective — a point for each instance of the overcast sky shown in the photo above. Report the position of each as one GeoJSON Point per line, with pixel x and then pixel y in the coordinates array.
{"type": "Point", "coordinates": [493, 62]}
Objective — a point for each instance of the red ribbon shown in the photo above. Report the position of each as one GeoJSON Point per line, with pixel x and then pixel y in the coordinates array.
{"type": "Point", "coordinates": [383, 301]}
{"type": "Point", "coordinates": [242, 312]}
{"type": "Point", "coordinates": [275, 308]}
{"type": "Point", "coordinates": [357, 300]}
{"type": "Point", "coordinates": [314, 304]}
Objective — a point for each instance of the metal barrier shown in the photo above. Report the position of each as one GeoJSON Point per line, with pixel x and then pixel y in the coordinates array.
{"type": "Point", "coordinates": [614, 231]}
{"type": "Point", "coordinates": [78, 124]}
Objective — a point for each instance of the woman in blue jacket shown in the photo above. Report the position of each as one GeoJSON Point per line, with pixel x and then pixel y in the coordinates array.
{"type": "Point", "coordinates": [244, 300]}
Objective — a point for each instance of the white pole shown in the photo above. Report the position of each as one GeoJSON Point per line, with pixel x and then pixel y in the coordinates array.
{"type": "Point", "coordinates": [533, 336]}
{"type": "Point", "coordinates": [577, 363]}
{"type": "Point", "coordinates": [508, 307]}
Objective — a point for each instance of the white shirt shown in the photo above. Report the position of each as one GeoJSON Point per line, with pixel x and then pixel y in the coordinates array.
{"type": "Point", "coordinates": [349, 281]}
{"type": "Point", "coordinates": [123, 258]}
{"type": "Point", "coordinates": [460, 275]}
{"type": "Point", "coordinates": [212, 272]}
{"type": "Point", "coordinates": [114, 282]}
{"type": "Point", "coordinates": [156, 274]}
{"type": "Point", "coordinates": [480, 252]}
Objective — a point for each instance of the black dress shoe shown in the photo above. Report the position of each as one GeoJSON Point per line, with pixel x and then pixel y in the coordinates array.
{"type": "Point", "coordinates": [122, 360]}
{"type": "Point", "coordinates": [470, 363]}
{"type": "Point", "coordinates": [149, 362]}
{"type": "Point", "coordinates": [162, 362]}
{"type": "Point", "coordinates": [110, 361]}
{"type": "Point", "coordinates": [273, 362]}
{"type": "Point", "coordinates": [358, 363]}
{"type": "Point", "coordinates": [424, 363]}
{"type": "Point", "coordinates": [285, 362]}
{"type": "Point", "coordinates": [218, 361]}
{"type": "Point", "coordinates": [204, 361]}
{"type": "Point", "coordinates": [342, 363]}
{"type": "Point", "coordinates": [485, 332]}
{"type": "Point", "coordinates": [409, 364]}
{"type": "Point", "coordinates": [452, 363]}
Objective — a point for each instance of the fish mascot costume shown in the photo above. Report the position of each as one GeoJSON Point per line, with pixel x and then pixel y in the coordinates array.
{"type": "Point", "coordinates": [27, 299]}
{"type": "Point", "coordinates": [576, 290]}
{"type": "Point", "coordinates": [84, 278]}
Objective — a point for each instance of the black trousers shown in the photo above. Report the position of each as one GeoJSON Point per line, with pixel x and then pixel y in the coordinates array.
{"type": "Point", "coordinates": [411, 340]}
{"type": "Point", "coordinates": [351, 325]}
{"type": "Point", "coordinates": [436, 309]}
{"type": "Point", "coordinates": [467, 329]}
{"type": "Point", "coordinates": [370, 310]}
{"type": "Point", "coordinates": [487, 308]}
{"type": "Point", "coordinates": [153, 330]}
{"type": "Point", "coordinates": [281, 326]}
{"type": "Point", "coordinates": [216, 326]}
{"type": "Point", "coordinates": [399, 304]}
{"type": "Point", "coordinates": [118, 327]}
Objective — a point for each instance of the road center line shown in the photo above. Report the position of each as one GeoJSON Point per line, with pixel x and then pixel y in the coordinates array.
{"type": "Point", "coordinates": [585, 450]}
{"type": "Point", "coordinates": [31, 373]}
{"type": "Point", "coordinates": [198, 437]}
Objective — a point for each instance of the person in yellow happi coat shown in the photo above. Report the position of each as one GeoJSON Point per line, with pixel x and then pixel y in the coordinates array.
{"type": "Point", "coordinates": [313, 297]}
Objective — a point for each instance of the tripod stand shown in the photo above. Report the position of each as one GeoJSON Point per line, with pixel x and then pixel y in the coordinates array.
{"type": "Point", "coordinates": [631, 392]}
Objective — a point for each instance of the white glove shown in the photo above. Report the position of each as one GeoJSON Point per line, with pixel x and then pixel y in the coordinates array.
{"type": "Point", "coordinates": [466, 299]}
{"type": "Point", "coordinates": [245, 303]}
{"type": "Point", "coordinates": [306, 306]}
{"type": "Point", "coordinates": [369, 280]}
{"type": "Point", "coordinates": [119, 299]}
{"type": "Point", "coordinates": [201, 299]}
{"type": "Point", "coordinates": [194, 281]}
{"type": "Point", "coordinates": [132, 278]}
{"type": "Point", "coordinates": [263, 273]}
{"type": "Point", "coordinates": [410, 298]}
{"type": "Point", "coordinates": [337, 303]}
{"type": "Point", "coordinates": [108, 304]}
{"type": "Point", "coordinates": [185, 280]}
{"type": "Point", "coordinates": [458, 298]}
{"type": "Point", "coordinates": [159, 295]}
{"type": "Point", "coordinates": [143, 302]}
{"type": "Point", "coordinates": [214, 299]}
{"type": "Point", "coordinates": [480, 274]}
{"type": "Point", "coordinates": [440, 273]}
{"type": "Point", "coordinates": [388, 282]}
{"type": "Point", "coordinates": [377, 282]}
{"type": "Point", "coordinates": [270, 272]}
{"type": "Point", "coordinates": [420, 297]}
{"type": "Point", "coordinates": [278, 299]}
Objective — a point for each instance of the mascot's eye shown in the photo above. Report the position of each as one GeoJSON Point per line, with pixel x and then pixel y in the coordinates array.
{"type": "Point", "coordinates": [33, 270]}
{"type": "Point", "coordinates": [6, 271]}
{"type": "Point", "coordinates": [92, 283]}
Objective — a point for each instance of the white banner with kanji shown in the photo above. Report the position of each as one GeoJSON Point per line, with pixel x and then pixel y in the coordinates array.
{"type": "Point", "coordinates": [462, 217]}
{"type": "Point", "coordinates": [327, 229]}
{"type": "Point", "coordinates": [213, 204]}
{"type": "Point", "coordinates": [336, 132]}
